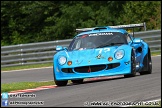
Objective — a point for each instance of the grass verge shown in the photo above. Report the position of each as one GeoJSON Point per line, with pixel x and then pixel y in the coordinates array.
{"type": "Point", "coordinates": [26, 67]}
{"type": "Point", "coordinates": [8, 87]}
{"type": "Point", "coordinates": [155, 53]}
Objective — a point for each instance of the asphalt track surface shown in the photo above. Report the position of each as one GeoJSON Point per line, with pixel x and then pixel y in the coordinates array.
{"type": "Point", "coordinates": [43, 74]}
{"type": "Point", "coordinates": [139, 88]}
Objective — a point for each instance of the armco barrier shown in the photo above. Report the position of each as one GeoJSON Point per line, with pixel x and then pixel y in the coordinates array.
{"type": "Point", "coordinates": [42, 52]}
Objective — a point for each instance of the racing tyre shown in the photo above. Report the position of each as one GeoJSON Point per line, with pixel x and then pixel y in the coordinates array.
{"type": "Point", "coordinates": [147, 64]}
{"type": "Point", "coordinates": [133, 66]}
{"type": "Point", "coordinates": [78, 81]}
{"type": "Point", "coordinates": [59, 83]}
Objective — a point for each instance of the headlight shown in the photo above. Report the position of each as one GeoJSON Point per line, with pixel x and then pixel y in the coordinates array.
{"type": "Point", "coordinates": [119, 54]}
{"type": "Point", "coordinates": [62, 60]}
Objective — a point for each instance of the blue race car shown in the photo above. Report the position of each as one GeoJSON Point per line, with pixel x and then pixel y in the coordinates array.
{"type": "Point", "coordinates": [102, 51]}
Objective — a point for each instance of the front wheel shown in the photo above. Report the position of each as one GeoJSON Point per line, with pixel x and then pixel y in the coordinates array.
{"type": "Point", "coordinates": [59, 83]}
{"type": "Point", "coordinates": [133, 66]}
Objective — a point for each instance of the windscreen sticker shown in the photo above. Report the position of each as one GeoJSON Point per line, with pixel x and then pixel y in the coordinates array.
{"type": "Point", "coordinates": [98, 34]}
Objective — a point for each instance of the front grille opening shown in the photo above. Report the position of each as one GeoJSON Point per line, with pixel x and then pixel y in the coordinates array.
{"type": "Point", "coordinates": [67, 70]}
{"type": "Point", "coordinates": [113, 65]}
{"type": "Point", "coordinates": [87, 69]}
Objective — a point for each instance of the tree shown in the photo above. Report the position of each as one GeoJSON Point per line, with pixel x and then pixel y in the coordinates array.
{"type": "Point", "coordinates": [37, 21]}
{"type": "Point", "coordinates": [142, 11]}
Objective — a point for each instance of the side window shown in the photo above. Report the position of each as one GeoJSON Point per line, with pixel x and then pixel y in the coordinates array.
{"type": "Point", "coordinates": [128, 38]}
{"type": "Point", "coordinates": [77, 44]}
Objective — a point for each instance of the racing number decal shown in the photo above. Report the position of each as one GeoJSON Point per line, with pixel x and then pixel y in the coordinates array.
{"type": "Point", "coordinates": [106, 49]}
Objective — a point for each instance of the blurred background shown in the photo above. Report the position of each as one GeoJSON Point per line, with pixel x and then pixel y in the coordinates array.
{"type": "Point", "coordinates": [39, 21]}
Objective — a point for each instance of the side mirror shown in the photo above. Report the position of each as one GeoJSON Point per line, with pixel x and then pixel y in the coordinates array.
{"type": "Point", "coordinates": [136, 40]}
{"type": "Point", "coordinates": [65, 48]}
{"type": "Point", "coordinates": [60, 48]}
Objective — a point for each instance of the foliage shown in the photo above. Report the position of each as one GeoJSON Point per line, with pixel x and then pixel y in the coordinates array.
{"type": "Point", "coordinates": [37, 21]}
{"type": "Point", "coordinates": [143, 11]}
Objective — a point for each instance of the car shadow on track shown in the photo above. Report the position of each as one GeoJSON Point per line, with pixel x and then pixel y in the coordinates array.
{"type": "Point", "coordinates": [99, 79]}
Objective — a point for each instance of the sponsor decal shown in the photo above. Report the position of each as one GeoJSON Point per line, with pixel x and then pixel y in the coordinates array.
{"type": "Point", "coordinates": [99, 56]}
{"type": "Point", "coordinates": [98, 34]}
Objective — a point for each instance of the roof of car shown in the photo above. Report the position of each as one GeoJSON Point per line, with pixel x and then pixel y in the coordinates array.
{"type": "Point", "coordinates": [103, 30]}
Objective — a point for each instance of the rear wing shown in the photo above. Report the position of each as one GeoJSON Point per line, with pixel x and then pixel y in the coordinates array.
{"type": "Point", "coordinates": [132, 26]}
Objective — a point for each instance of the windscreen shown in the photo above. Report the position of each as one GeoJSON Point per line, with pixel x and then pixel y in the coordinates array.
{"type": "Point", "coordinates": [97, 40]}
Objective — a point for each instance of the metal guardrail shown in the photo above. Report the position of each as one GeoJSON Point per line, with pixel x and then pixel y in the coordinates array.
{"type": "Point", "coordinates": [42, 52]}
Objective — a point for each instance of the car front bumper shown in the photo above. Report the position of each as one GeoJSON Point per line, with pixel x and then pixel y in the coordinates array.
{"type": "Point", "coordinates": [122, 69]}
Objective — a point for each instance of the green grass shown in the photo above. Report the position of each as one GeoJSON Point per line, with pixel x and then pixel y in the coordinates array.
{"type": "Point", "coordinates": [44, 65]}
{"type": "Point", "coordinates": [26, 67]}
{"type": "Point", "coordinates": [8, 87]}
{"type": "Point", "coordinates": [155, 53]}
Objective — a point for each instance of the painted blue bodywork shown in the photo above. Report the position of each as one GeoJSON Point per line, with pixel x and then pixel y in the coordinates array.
{"type": "Point", "coordinates": [90, 57]}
